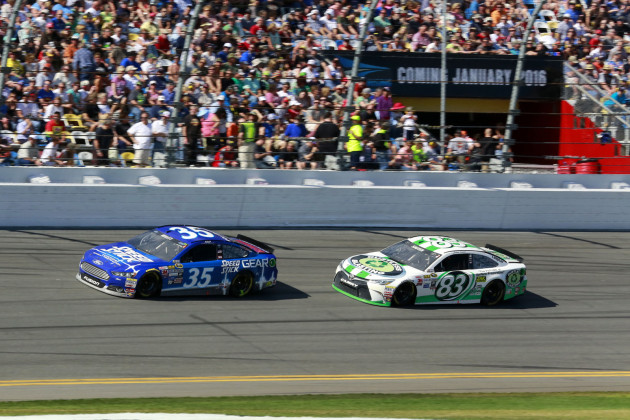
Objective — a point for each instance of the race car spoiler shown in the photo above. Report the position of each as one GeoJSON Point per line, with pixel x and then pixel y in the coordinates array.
{"type": "Point", "coordinates": [263, 246]}
{"type": "Point", "coordinates": [506, 252]}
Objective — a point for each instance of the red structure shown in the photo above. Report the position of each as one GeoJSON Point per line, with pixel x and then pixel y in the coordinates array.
{"type": "Point", "coordinates": [551, 133]}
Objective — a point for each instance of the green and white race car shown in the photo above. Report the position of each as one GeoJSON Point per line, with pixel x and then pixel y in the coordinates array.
{"type": "Point", "coordinates": [432, 269]}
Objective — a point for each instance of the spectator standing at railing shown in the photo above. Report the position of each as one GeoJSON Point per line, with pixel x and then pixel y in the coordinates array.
{"type": "Point", "coordinates": [141, 136]}
{"type": "Point", "coordinates": [354, 144]}
{"type": "Point", "coordinates": [247, 141]}
{"type": "Point", "coordinates": [191, 132]}
{"type": "Point", "coordinates": [103, 140]}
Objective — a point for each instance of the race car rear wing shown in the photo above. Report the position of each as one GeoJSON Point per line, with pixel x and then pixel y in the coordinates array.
{"type": "Point", "coordinates": [506, 252]}
{"type": "Point", "coordinates": [263, 246]}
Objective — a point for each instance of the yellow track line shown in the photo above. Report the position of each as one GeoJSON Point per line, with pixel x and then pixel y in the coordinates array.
{"type": "Point", "coordinates": [312, 378]}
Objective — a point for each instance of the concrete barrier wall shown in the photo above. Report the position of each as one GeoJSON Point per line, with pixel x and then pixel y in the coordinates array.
{"type": "Point", "coordinates": [448, 200]}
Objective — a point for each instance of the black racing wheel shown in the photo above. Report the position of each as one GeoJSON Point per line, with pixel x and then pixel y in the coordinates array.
{"type": "Point", "coordinates": [149, 286]}
{"type": "Point", "coordinates": [404, 295]}
{"type": "Point", "coordinates": [493, 293]}
{"type": "Point", "coordinates": [242, 284]}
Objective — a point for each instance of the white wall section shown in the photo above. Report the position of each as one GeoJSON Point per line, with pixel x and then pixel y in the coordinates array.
{"type": "Point", "coordinates": [284, 199]}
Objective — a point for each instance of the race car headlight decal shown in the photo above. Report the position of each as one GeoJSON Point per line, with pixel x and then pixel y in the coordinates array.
{"type": "Point", "coordinates": [382, 282]}
{"type": "Point", "coordinates": [121, 274]}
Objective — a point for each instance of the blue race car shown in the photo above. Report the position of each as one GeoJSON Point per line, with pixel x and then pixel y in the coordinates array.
{"type": "Point", "coordinates": [179, 260]}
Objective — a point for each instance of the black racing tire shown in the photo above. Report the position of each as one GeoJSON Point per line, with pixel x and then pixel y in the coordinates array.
{"type": "Point", "coordinates": [242, 284]}
{"type": "Point", "coordinates": [493, 293]}
{"type": "Point", "coordinates": [404, 295]}
{"type": "Point", "coordinates": [150, 285]}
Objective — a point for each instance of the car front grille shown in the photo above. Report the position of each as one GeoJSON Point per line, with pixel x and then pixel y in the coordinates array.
{"type": "Point", "coordinates": [94, 271]}
{"type": "Point", "coordinates": [352, 285]}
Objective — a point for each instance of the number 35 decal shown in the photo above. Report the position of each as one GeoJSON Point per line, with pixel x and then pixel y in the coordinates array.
{"type": "Point", "coordinates": [453, 285]}
{"type": "Point", "coordinates": [199, 278]}
{"type": "Point", "coordinates": [193, 232]}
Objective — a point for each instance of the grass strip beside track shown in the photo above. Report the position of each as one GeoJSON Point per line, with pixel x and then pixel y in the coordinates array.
{"type": "Point", "coordinates": [574, 406]}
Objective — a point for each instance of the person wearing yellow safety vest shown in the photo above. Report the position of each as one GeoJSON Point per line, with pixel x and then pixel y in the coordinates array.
{"type": "Point", "coordinates": [382, 144]}
{"type": "Point", "coordinates": [354, 145]}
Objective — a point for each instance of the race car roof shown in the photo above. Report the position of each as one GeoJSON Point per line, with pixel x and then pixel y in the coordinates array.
{"type": "Point", "coordinates": [191, 234]}
{"type": "Point", "coordinates": [442, 244]}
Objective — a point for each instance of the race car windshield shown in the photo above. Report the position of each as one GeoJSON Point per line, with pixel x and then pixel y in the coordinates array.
{"type": "Point", "coordinates": [407, 253]}
{"type": "Point", "coordinates": [157, 244]}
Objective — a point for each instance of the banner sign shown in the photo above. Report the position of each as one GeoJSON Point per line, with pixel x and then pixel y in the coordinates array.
{"type": "Point", "coordinates": [468, 76]}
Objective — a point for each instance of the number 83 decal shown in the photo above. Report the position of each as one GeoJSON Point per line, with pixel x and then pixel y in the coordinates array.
{"type": "Point", "coordinates": [453, 285]}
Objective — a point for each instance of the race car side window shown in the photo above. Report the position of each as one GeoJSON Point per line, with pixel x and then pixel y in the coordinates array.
{"type": "Point", "coordinates": [454, 262]}
{"type": "Point", "coordinates": [202, 252]}
{"type": "Point", "coordinates": [231, 252]}
{"type": "Point", "coordinates": [482, 261]}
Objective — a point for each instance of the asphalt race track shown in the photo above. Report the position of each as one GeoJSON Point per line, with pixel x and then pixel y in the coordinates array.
{"type": "Point", "coordinates": [61, 339]}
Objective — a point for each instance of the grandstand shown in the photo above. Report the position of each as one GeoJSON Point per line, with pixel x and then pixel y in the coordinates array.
{"type": "Point", "coordinates": [252, 84]}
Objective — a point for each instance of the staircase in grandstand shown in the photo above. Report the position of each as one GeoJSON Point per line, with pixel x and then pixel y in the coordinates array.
{"type": "Point", "coordinates": [588, 100]}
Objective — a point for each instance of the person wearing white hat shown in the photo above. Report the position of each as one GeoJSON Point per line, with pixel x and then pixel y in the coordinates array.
{"type": "Point", "coordinates": [313, 24]}
{"type": "Point", "coordinates": [159, 129]}
{"type": "Point", "coordinates": [310, 70]}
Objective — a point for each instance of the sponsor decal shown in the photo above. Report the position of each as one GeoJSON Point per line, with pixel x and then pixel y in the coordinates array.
{"type": "Point", "coordinates": [419, 282]}
{"type": "Point", "coordinates": [513, 278]}
{"type": "Point", "coordinates": [230, 263]}
{"type": "Point", "coordinates": [435, 243]}
{"type": "Point", "coordinates": [377, 265]}
{"type": "Point", "coordinates": [178, 265]}
{"type": "Point", "coordinates": [98, 262]}
{"type": "Point", "coordinates": [426, 285]}
{"type": "Point", "coordinates": [453, 285]}
{"type": "Point", "coordinates": [480, 279]}
{"type": "Point", "coordinates": [106, 256]}
{"type": "Point", "coordinates": [90, 280]}
{"type": "Point", "coordinates": [427, 276]}
{"type": "Point", "coordinates": [128, 254]}
{"type": "Point", "coordinates": [475, 291]}
{"type": "Point", "coordinates": [131, 283]}
{"type": "Point", "coordinates": [256, 263]}
{"type": "Point", "coordinates": [388, 293]}
{"type": "Point", "coordinates": [178, 280]}
{"type": "Point", "coordinates": [348, 283]}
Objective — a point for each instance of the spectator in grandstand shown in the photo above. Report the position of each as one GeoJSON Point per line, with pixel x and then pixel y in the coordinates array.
{"type": "Point", "coordinates": [55, 125]}
{"type": "Point", "coordinates": [141, 136]}
{"type": "Point", "coordinates": [263, 158]}
{"type": "Point", "coordinates": [459, 146]}
{"type": "Point", "coordinates": [83, 62]}
{"type": "Point", "coordinates": [28, 154]}
{"type": "Point", "coordinates": [226, 157]}
{"type": "Point", "coordinates": [49, 156]}
{"type": "Point", "coordinates": [160, 129]}
{"type": "Point", "coordinates": [307, 155]}
{"type": "Point", "coordinates": [191, 133]}
{"type": "Point", "coordinates": [103, 140]}
{"type": "Point", "coordinates": [354, 145]}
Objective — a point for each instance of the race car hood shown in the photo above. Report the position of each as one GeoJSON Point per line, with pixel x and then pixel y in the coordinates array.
{"type": "Point", "coordinates": [375, 266]}
{"type": "Point", "coordinates": [119, 255]}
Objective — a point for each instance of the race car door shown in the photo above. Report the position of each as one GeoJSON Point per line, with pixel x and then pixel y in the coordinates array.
{"type": "Point", "coordinates": [202, 269]}
{"type": "Point", "coordinates": [454, 278]}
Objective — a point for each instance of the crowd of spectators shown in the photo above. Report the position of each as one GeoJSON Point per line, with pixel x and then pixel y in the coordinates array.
{"type": "Point", "coordinates": [258, 94]}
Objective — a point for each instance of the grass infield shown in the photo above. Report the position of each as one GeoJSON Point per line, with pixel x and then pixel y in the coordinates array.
{"type": "Point", "coordinates": [574, 406]}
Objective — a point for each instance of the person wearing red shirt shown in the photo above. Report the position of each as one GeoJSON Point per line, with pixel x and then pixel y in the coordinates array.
{"type": "Point", "coordinates": [55, 125]}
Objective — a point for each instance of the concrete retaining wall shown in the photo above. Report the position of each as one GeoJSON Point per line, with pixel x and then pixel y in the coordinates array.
{"type": "Point", "coordinates": [241, 198]}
